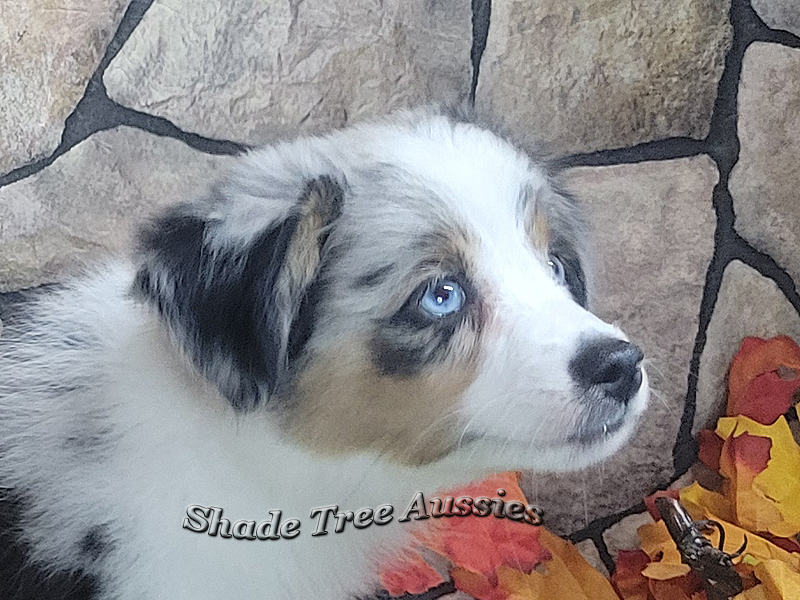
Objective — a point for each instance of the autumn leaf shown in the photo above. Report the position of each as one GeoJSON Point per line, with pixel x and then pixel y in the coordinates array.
{"type": "Point", "coordinates": [483, 544]}
{"type": "Point", "coordinates": [476, 546]}
{"type": "Point", "coordinates": [766, 399]}
{"type": "Point", "coordinates": [765, 484]}
{"type": "Point", "coordinates": [666, 562]}
{"type": "Point", "coordinates": [627, 579]}
{"type": "Point", "coordinates": [699, 501]}
{"type": "Point", "coordinates": [478, 585]}
{"type": "Point", "coordinates": [710, 448]}
{"type": "Point", "coordinates": [779, 581]}
{"type": "Point", "coordinates": [566, 575]}
{"type": "Point", "coordinates": [680, 588]}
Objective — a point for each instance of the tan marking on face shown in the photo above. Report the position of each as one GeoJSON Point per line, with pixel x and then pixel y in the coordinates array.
{"type": "Point", "coordinates": [303, 254]}
{"type": "Point", "coordinates": [538, 229]}
{"type": "Point", "coordinates": [343, 405]}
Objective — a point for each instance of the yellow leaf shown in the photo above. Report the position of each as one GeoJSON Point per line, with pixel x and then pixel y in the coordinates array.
{"type": "Point", "coordinates": [567, 576]}
{"type": "Point", "coordinates": [656, 541]}
{"type": "Point", "coordinates": [665, 570]}
{"type": "Point", "coordinates": [698, 501]}
{"type": "Point", "coordinates": [768, 501]}
{"type": "Point", "coordinates": [758, 592]}
{"type": "Point", "coordinates": [779, 581]}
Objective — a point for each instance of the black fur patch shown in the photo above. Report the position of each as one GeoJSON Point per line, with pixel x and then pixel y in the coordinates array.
{"type": "Point", "coordinates": [573, 272]}
{"type": "Point", "coordinates": [569, 227]}
{"type": "Point", "coordinates": [95, 543]}
{"type": "Point", "coordinates": [219, 305]}
{"type": "Point", "coordinates": [19, 579]}
{"type": "Point", "coordinates": [373, 278]}
{"type": "Point", "coordinates": [303, 324]}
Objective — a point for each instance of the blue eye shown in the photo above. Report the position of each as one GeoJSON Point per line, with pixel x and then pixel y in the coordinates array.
{"type": "Point", "coordinates": [441, 298]}
{"type": "Point", "coordinates": [557, 267]}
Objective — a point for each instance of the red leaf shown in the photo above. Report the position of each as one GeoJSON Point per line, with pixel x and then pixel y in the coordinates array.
{"type": "Point", "coordinates": [788, 544]}
{"type": "Point", "coordinates": [627, 579]}
{"type": "Point", "coordinates": [768, 397]}
{"type": "Point", "coordinates": [475, 546]}
{"type": "Point", "coordinates": [710, 448]}
{"type": "Point", "coordinates": [482, 544]}
{"type": "Point", "coordinates": [756, 357]}
{"type": "Point", "coordinates": [749, 451]}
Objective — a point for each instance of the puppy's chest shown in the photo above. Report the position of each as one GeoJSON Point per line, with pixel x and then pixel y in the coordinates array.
{"type": "Point", "coordinates": [250, 531]}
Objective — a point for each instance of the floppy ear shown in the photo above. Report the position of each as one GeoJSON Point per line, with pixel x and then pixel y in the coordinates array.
{"type": "Point", "coordinates": [230, 302]}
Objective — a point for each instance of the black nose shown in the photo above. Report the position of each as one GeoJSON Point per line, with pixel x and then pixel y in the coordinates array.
{"type": "Point", "coordinates": [610, 365]}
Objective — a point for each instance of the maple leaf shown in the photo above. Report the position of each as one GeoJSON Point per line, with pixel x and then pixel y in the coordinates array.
{"type": "Point", "coordinates": [565, 576]}
{"type": "Point", "coordinates": [476, 546]}
{"type": "Point", "coordinates": [755, 388]}
{"type": "Point", "coordinates": [762, 465]}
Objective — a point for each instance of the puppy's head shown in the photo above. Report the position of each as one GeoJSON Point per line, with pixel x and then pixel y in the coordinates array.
{"type": "Point", "coordinates": [414, 287]}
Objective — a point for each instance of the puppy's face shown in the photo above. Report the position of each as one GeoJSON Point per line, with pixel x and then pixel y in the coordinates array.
{"type": "Point", "coordinates": [415, 288]}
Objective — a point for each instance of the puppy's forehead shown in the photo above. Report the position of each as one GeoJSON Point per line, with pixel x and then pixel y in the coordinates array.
{"type": "Point", "coordinates": [474, 171]}
{"type": "Point", "coordinates": [443, 179]}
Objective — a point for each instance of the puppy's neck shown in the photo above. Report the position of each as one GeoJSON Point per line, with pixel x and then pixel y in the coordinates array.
{"type": "Point", "coordinates": [195, 420]}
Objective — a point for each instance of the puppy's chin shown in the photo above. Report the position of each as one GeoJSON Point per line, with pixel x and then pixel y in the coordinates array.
{"type": "Point", "coordinates": [496, 454]}
{"type": "Point", "coordinates": [579, 454]}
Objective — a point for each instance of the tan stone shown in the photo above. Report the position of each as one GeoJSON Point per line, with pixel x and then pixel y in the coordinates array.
{"type": "Point", "coordinates": [748, 305]}
{"type": "Point", "coordinates": [590, 554]}
{"type": "Point", "coordinates": [654, 228]}
{"type": "Point", "coordinates": [582, 75]}
{"type": "Point", "coordinates": [779, 14]}
{"type": "Point", "coordinates": [765, 182]}
{"type": "Point", "coordinates": [623, 535]}
{"type": "Point", "coordinates": [85, 203]}
{"type": "Point", "coordinates": [253, 71]}
{"type": "Point", "coordinates": [48, 51]}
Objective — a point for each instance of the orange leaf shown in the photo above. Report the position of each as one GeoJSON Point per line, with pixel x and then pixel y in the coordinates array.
{"type": "Point", "coordinates": [658, 545]}
{"type": "Point", "coordinates": [566, 576]}
{"type": "Point", "coordinates": [780, 582]}
{"type": "Point", "coordinates": [477, 585]}
{"type": "Point", "coordinates": [475, 546]}
{"type": "Point", "coordinates": [756, 357]}
{"type": "Point", "coordinates": [663, 570]}
{"type": "Point", "coordinates": [755, 593]}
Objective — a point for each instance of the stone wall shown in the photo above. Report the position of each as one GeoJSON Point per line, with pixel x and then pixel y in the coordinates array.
{"type": "Point", "coordinates": [678, 124]}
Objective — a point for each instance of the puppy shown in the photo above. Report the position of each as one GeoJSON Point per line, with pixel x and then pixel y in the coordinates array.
{"type": "Point", "coordinates": [342, 321]}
